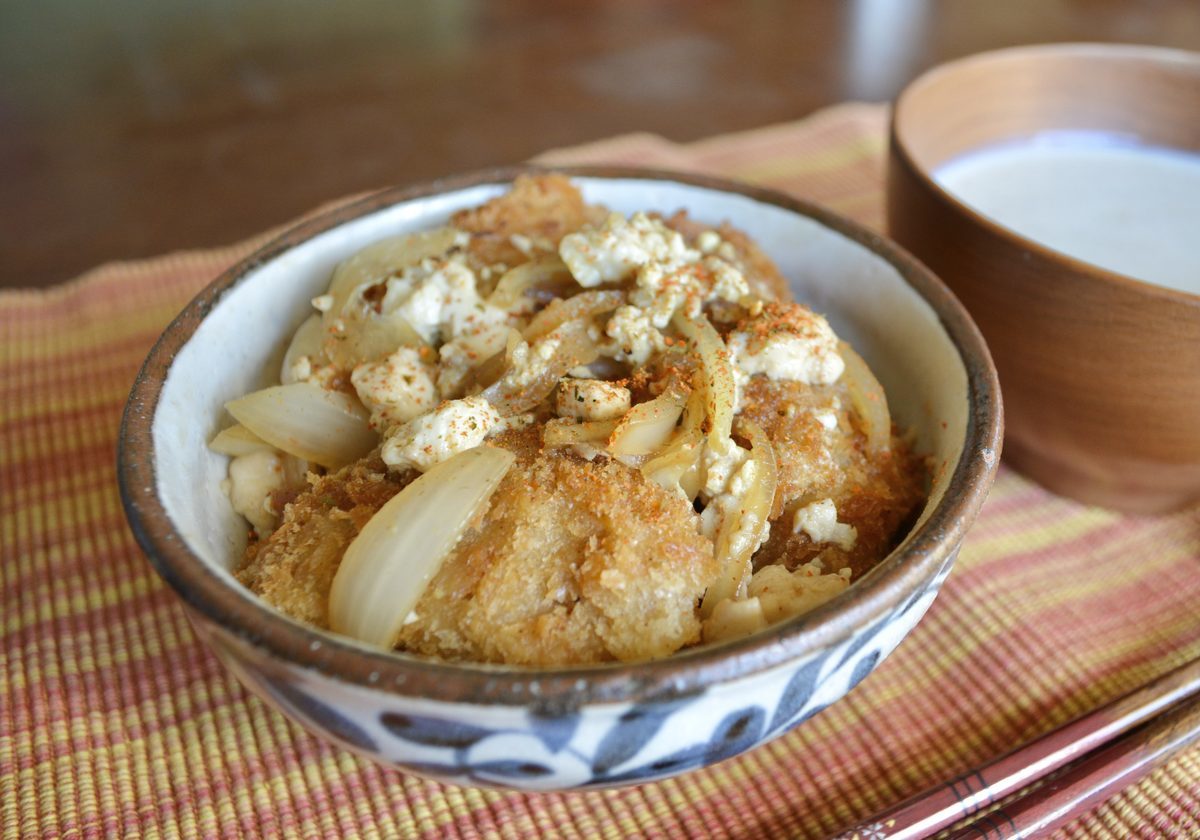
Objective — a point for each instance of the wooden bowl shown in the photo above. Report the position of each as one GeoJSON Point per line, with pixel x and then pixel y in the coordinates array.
{"type": "Point", "coordinates": [1100, 372]}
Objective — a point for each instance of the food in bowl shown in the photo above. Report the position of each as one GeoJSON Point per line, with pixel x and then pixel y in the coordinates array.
{"type": "Point", "coordinates": [547, 435]}
{"type": "Point", "coordinates": [575, 728]}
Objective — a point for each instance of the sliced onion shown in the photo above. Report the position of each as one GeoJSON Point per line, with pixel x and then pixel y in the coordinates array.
{"type": "Point", "coordinates": [583, 305]}
{"type": "Point", "coordinates": [565, 432]}
{"type": "Point", "coordinates": [718, 373]}
{"type": "Point", "coordinates": [512, 289]}
{"type": "Point", "coordinates": [868, 399]}
{"type": "Point", "coordinates": [647, 426]}
{"type": "Point", "coordinates": [377, 262]}
{"type": "Point", "coordinates": [746, 527]}
{"type": "Point", "coordinates": [367, 336]}
{"type": "Point", "coordinates": [237, 440]}
{"type": "Point", "coordinates": [512, 394]}
{"type": "Point", "coordinates": [326, 427]}
{"type": "Point", "coordinates": [307, 341]}
{"type": "Point", "coordinates": [677, 468]}
{"type": "Point", "coordinates": [492, 368]}
{"type": "Point", "coordinates": [389, 564]}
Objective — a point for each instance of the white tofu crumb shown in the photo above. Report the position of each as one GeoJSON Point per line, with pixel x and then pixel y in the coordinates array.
{"type": "Point", "coordinates": [453, 427]}
{"type": "Point", "coordinates": [395, 389]}
{"type": "Point", "coordinates": [635, 336]}
{"type": "Point", "coordinates": [729, 283]}
{"type": "Point", "coordinates": [438, 298]}
{"type": "Point", "coordinates": [300, 370]}
{"type": "Point", "coordinates": [819, 521]}
{"type": "Point", "coordinates": [811, 357]}
{"type": "Point", "coordinates": [719, 468]}
{"type": "Point", "coordinates": [827, 419]}
{"type": "Point", "coordinates": [252, 479]}
{"type": "Point", "coordinates": [708, 241]}
{"type": "Point", "coordinates": [621, 246]}
{"type": "Point", "coordinates": [323, 303]}
{"type": "Point", "coordinates": [592, 399]}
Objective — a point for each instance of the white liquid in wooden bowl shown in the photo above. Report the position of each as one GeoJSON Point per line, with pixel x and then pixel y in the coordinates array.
{"type": "Point", "coordinates": [1122, 206]}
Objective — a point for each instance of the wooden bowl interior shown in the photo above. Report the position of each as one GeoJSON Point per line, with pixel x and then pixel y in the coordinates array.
{"type": "Point", "coordinates": [1019, 93]}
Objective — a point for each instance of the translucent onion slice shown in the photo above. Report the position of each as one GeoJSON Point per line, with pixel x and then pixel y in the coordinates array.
{"type": "Point", "coordinates": [677, 468]}
{"type": "Point", "coordinates": [307, 341]}
{"type": "Point", "coordinates": [388, 256]}
{"type": "Point", "coordinates": [868, 399]}
{"type": "Point", "coordinates": [718, 373]}
{"type": "Point", "coordinates": [326, 427]}
{"type": "Point", "coordinates": [516, 394]}
{"type": "Point", "coordinates": [493, 367]}
{"type": "Point", "coordinates": [746, 526]}
{"type": "Point", "coordinates": [368, 336]}
{"type": "Point", "coordinates": [647, 426]}
{"type": "Point", "coordinates": [583, 305]}
{"type": "Point", "coordinates": [389, 564]}
{"type": "Point", "coordinates": [512, 289]}
{"type": "Point", "coordinates": [565, 432]}
{"type": "Point", "coordinates": [237, 440]}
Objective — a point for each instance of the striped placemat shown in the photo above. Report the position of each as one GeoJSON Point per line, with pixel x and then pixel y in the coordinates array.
{"type": "Point", "coordinates": [114, 721]}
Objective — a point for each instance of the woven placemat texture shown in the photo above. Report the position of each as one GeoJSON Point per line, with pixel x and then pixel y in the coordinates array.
{"type": "Point", "coordinates": [115, 721]}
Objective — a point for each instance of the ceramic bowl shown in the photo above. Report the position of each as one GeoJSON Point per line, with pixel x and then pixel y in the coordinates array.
{"type": "Point", "coordinates": [1101, 372]}
{"type": "Point", "coordinates": [582, 727]}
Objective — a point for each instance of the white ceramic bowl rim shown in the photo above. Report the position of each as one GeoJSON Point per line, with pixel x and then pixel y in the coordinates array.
{"type": "Point", "coordinates": [890, 585]}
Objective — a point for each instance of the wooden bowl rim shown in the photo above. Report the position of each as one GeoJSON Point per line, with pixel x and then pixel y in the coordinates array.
{"type": "Point", "coordinates": [1168, 56]}
{"type": "Point", "coordinates": [890, 587]}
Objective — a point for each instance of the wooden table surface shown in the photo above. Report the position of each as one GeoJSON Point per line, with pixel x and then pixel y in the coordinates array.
{"type": "Point", "coordinates": [133, 128]}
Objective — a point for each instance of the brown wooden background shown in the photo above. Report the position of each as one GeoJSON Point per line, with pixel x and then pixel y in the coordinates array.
{"type": "Point", "coordinates": [133, 127]}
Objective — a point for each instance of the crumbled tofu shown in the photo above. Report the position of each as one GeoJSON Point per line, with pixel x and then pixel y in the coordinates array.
{"type": "Point", "coordinates": [664, 288]}
{"type": "Point", "coordinates": [725, 504]}
{"type": "Point", "coordinates": [827, 419]}
{"type": "Point", "coordinates": [252, 480]}
{"type": "Point", "coordinates": [396, 388]}
{"type": "Point", "coordinates": [708, 241]}
{"type": "Point", "coordinates": [620, 247]}
{"type": "Point", "coordinates": [819, 520]}
{"type": "Point", "coordinates": [323, 303]}
{"type": "Point", "coordinates": [592, 399]}
{"type": "Point", "coordinates": [719, 467]}
{"type": "Point", "coordinates": [728, 282]}
{"type": "Point", "coordinates": [300, 370]}
{"type": "Point", "coordinates": [810, 356]}
{"type": "Point", "coordinates": [635, 338]}
{"type": "Point", "coordinates": [438, 298]}
{"type": "Point", "coordinates": [453, 427]}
